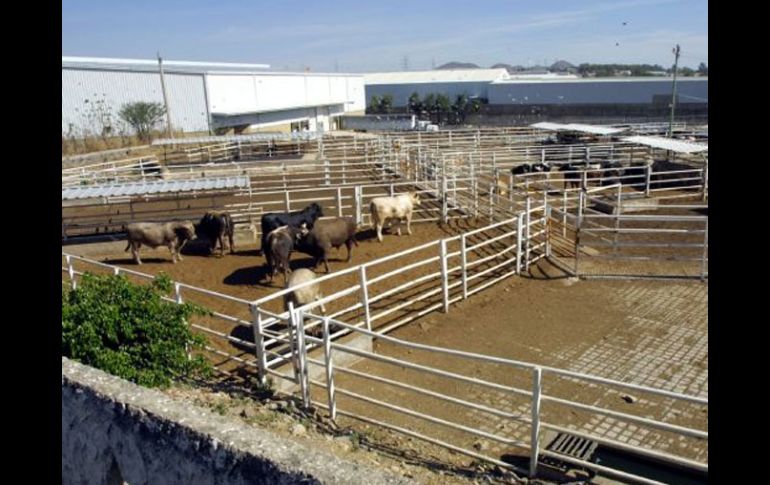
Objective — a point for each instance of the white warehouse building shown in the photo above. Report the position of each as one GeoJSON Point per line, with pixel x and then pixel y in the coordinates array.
{"type": "Point", "coordinates": [205, 97]}
{"type": "Point", "coordinates": [503, 89]}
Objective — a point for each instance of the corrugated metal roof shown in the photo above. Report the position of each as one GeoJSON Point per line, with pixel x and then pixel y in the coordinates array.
{"type": "Point", "coordinates": [597, 130]}
{"type": "Point", "coordinates": [299, 135]}
{"type": "Point", "coordinates": [154, 187]}
{"type": "Point", "coordinates": [668, 144]}
{"type": "Point", "coordinates": [589, 80]}
{"type": "Point", "coordinates": [438, 76]}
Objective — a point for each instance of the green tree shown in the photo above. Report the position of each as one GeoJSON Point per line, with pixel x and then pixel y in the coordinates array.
{"type": "Point", "coordinates": [703, 69]}
{"type": "Point", "coordinates": [427, 104]}
{"type": "Point", "coordinates": [129, 330]}
{"type": "Point", "coordinates": [459, 107]}
{"type": "Point", "coordinates": [374, 104]}
{"type": "Point", "coordinates": [414, 104]}
{"type": "Point", "coordinates": [386, 104]}
{"type": "Point", "coordinates": [442, 105]}
{"type": "Point", "coordinates": [142, 117]}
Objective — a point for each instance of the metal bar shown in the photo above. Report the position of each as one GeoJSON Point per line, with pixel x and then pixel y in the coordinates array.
{"type": "Point", "coordinates": [534, 446]}
{"type": "Point", "coordinates": [464, 265]}
{"type": "Point", "coordinates": [329, 370]}
{"type": "Point", "coordinates": [365, 297]}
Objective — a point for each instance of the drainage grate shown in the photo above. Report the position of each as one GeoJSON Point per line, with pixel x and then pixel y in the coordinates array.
{"type": "Point", "coordinates": [573, 446]}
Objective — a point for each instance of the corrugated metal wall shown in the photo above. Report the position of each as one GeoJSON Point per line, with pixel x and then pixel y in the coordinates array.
{"type": "Point", "coordinates": [598, 92]}
{"type": "Point", "coordinates": [84, 90]}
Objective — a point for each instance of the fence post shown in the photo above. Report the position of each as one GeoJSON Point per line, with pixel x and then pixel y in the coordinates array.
{"type": "Point", "coordinates": [365, 296]}
{"type": "Point", "coordinates": [547, 231]}
{"type": "Point", "coordinates": [357, 200]}
{"type": "Point", "coordinates": [444, 206]}
{"type": "Point", "coordinates": [299, 331]}
{"type": "Point", "coordinates": [259, 343]}
{"type": "Point", "coordinates": [327, 179]}
{"type": "Point", "coordinates": [464, 264]}
{"type": "Point", "coordinates": [564, 215]}
{"type": "Point", "coordinates": [71, 271]}
{"type": "Point", "coordinates": [578, 223]}
{"type": "Point", "coordinates": [329, 370]}
{"type": "Point", "coordinates": [618, 213]}
{"type": "Point", "coordinates": [339, 201]}
{"type": "Point", "coordinates": [286, 201]}
{"type": "Point", "coordinates": [519, 245]}
{"type": "Point", "coordinates": [444, 274]}
{"type": "Point", "coordinates": [534, 439]}
{"type": "Point", "coordinates": [116, 270]}
{"type": "Point", "coordinates": [705, 176]}
{"type": "Point", "coordinates": [526, 232]}
{"type": "Point", "coordinates": [647, 177]}
{"type": "Point", "coordinates": [704, 265]}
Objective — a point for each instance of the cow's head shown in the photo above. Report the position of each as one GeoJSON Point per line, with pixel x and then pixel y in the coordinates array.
{"type": "Point", "coordinates": [302, 231]}
{"type": "Point", "coordinates": [185, 230]}
{"type": "Point", "coordinates": [315, 211]}
{"type": "Point", "coordinates": [414, 197]}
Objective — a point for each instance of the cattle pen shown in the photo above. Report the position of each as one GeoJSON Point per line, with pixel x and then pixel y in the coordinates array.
{"type": "Point", "coordinates": [492, 226]}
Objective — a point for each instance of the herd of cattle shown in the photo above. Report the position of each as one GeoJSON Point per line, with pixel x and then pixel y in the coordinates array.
{"type": "Point", "coordinates": [282, 233]}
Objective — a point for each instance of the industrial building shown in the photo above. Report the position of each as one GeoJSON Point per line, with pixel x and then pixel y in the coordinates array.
{"type": "Point", "coordinates": [503, 89]}
{"type": "Point", "coordinates": [206, 97]}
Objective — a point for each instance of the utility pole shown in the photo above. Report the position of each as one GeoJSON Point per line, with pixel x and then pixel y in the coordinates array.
{"type": "Point", "coordinates": [165, 97]}
{"type": "Point", "coordinates": [673, 94]}
{"type": "Point", "coordinates": [406, 63]}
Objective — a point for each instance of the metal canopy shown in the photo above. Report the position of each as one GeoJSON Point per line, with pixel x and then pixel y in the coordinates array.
{"type": "Point", "coordinates": [678, 146]}
{"type": "Point", "coordinates": [300, 135]}
{"type": "Point", "coordinates": [594, 129]}
{"type": "Point", "coordinates": [154, 187]}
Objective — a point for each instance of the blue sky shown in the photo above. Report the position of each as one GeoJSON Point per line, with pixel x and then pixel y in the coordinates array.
{"type": "Point", "coordinates": [366, 36]}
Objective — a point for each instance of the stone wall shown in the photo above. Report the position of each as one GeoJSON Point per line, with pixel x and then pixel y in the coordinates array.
{"type": "Point", "coordinates": [115, 432]}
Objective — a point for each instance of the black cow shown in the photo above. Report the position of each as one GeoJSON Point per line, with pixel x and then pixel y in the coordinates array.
{"type": "Point", "coordinates": [274, 220]}
{"type": "Point", "coordinates": [531, 168]}
{"type": "Point", "coordinates": [214, 226]}
{"type": "Point", "coordinates": [612, 171]}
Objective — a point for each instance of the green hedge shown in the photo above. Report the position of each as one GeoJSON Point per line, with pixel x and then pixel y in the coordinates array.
{"type": "Point", "coordinates": [129, 331]}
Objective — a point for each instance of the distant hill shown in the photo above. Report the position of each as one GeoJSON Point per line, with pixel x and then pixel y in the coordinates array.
{"type": "Point", "coordinates": [458, 65]}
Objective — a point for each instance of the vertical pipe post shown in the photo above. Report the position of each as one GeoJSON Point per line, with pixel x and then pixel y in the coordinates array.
{"type": "Point", "coordinates": [302, 353]}
{"type": "Point", "coordinates": [327, 177]}
{"type": "Point", "coordinates": [329, 370]}
{"type": "Point", "coordinates": [444, 206]}
{"type": "Point", "coordinates": [259, 343]}
{"type": "Point", "coordinates": [464, 264]}
{"type": "Point", "coordinates": [564, 215]}
{"type": "Point", "coordinates": [705, 177]}
{"type": "Point", "coordinates": [444, 275]}
{"type": "Point", "coordinates": [357, 200]}
{"type": "Point", "coordinates": [519, 242]}
{"type": "Point", "coordinates": [534, 438]}
{"type": "Point", "coordinates": [286, 201]}
{"type": "Point", "coordinates": [704, 257]}
{"type": "Point", "coordinates": [365, 296]}
{"type": "Point", "coordinates": [527, 232]}
{"type": "Point", "coordinates": [71, 271]}
{"type": "Point", "coordinates": [618, 213]}
{"type": "Point", "coordinates": [647, 177]}
{"type": "Point", "coordinates": [548, 231]}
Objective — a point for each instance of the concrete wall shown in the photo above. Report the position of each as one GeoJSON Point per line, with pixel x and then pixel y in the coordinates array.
{"type": "Point", "coordinates": [114, 432]}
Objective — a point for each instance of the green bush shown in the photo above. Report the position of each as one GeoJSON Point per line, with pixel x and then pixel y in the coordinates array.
{"type": "Point", "coordinates": [128, 330]}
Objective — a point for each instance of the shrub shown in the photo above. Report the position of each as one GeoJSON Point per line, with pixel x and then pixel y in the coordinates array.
{"type": "Point", "coordinates": [128, 330]}
{"type": "Point", "coordinates": [142, 117]}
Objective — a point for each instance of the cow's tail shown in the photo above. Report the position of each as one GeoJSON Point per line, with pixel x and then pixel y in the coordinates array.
{"type": "Point", "coordinates": [129, 246]}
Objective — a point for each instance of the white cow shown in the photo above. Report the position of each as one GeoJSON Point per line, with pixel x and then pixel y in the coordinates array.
{"type": "Point", "coordinates": [305, 295]}
{"type": "Point", "coordinates": [398, 207]}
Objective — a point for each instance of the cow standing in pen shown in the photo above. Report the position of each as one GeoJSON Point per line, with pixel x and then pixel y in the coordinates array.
{"type": "Point", "coordinates": [328, 234]}
{"type": "Point", "coordinates": [399, 207]}
{"type": "Point", "coordinates": [279, 246]}
{"type": "Point", "coordinates": [154, 234]}
{"type": "Point", "coordinates": [214, 226]}
{"type": "Point", "coordinates": [274, 220]}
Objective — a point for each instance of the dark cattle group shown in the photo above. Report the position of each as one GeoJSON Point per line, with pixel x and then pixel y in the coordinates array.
{"type": "Point", "coordinates": [274, 220]}
{"type": "Point", "coordinates": [214, 226]}
{"type": "Point", "coordinates": [327, 234]}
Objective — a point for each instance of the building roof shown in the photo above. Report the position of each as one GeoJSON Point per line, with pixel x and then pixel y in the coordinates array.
{"type": "Point", "coordinates": [154, 187]}
{"type": "Point", "coordinates": [575, 79]}
{"type": "Point", "coordinates": [597, 130]}
{"type": "Point", "coordinates": [678, 146]}
{"type": "Point", "coordinates": [436, 76]}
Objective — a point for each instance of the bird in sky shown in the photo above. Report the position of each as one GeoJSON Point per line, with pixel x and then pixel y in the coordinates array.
{"type": "Point", "coordinates": [624, 23]}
